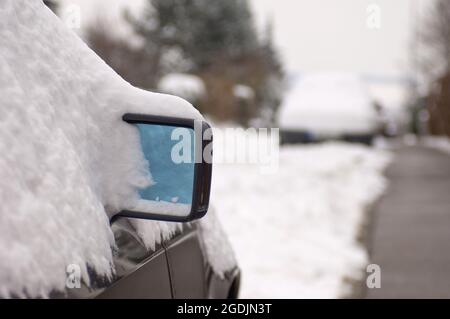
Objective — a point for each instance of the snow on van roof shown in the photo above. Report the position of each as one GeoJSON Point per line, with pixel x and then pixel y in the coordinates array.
{"type": "Point", "coordinates": [68, 160]}
{"type": "Point", "coordinates": [328, 103]}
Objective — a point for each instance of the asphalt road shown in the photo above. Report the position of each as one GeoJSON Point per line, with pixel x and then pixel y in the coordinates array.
{"type": "Point", "coordinates": [411, 235]}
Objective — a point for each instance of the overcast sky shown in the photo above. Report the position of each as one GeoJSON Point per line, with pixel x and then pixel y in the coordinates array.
{"type": "Point", "coordinates": [323, 35]}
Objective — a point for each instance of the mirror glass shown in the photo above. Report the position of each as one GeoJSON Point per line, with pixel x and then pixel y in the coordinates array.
{"type": "Point", "coordinates": [170, 153]}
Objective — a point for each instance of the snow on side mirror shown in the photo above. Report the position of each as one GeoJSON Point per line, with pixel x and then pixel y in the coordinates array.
{"type": "Point", "coordinates": [175, 149]}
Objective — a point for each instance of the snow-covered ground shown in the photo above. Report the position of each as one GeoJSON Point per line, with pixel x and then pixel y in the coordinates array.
{"type": "Point", "coordinates": [441, 143]}
{"type": "Point", "coordinates": [295, 232]}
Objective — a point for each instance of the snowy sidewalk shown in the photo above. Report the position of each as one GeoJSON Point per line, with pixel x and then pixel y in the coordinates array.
{"type": "Point", "coordinates": [295, 232]}
{"type": "Point", "coordinates": [412, 227]}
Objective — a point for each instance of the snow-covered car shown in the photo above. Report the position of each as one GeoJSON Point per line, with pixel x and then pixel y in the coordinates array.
{"type": "Point", "coordinates": [102, 184]}
{"type": "Point", "coordinates": [328, 106]}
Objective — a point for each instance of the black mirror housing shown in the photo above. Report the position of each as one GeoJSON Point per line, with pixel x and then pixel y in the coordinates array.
{"type": "Point", "coordinates": [202, 170]}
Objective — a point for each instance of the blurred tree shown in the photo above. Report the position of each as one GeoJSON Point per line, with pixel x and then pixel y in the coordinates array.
{"type": "Point", "coordinates": [435, 37]}
{"type": "Point", "coordinates": [271, 90]}
{"type": "Point", "coordinates": [136, 64]}
{"type": "Point", "coordinates": [204, 30]}
{"type": "Point", "coordinates": [213, 39]}
{"type": "Point", "coordinates": [438, 106]}
{"type": "Point", "coordinates": [435, 64]}
{"type": "Point", "coordinates": [216, 40]}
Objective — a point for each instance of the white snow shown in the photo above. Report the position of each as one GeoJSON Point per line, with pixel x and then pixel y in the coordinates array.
{"type": "Point", "coordinates": [295, 232]}
{"type": "Point", "coordinates": [219, 251]}
{"type": "Point", "coordinates": [187, 86]}
{"type": "Point", "coordinates": [68, 160]}
{"type": "Point", "coordinates": [441, 143]}
{"type": "Point", "coordinates": [243, 92]}
{"type": "Point", "coordinates": [162, 208]}
{"type": "Point", "coordinates": [328, 104]}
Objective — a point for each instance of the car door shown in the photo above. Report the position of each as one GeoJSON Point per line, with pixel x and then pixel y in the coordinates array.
{"type": "Point", "coordinates": [187, 264]}
{"type": "Point", "coordinates": [178, 268]}
{"type": "Point", "coordinates": [175, 269]}
{"type": "Point", "coordinates": [139, 273]}
{"type": "Point", "coordinates": [191, 274]}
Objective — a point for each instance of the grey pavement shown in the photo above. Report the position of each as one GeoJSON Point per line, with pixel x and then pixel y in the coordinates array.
{"type": "Point", "coordinates": [411, 227]}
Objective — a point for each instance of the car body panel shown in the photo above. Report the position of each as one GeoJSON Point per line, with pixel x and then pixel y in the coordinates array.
{"type": "Point", "coordinates": [139, 284]}
{"type": "Point", "coordinates": [187, 266]}
{"type": "Point", "coordinates": [177, 268]}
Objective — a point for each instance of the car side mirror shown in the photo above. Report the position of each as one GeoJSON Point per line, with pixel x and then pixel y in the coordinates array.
{"type": "Point", "coordinates": [175, 150]}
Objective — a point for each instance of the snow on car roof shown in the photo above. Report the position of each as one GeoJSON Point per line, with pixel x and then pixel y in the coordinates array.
{"type": "Point", "coordinates": [328, 103]}
{"type": "Point", "coordinates": [68, 160]}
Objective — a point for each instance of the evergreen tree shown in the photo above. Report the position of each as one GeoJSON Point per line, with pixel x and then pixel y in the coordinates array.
{"type": "Point", "coordinates": [216, 40]}
{"type": "Point", "coordinates": [203, 30]}
{"type": "Point", "coordinates": [136, 65]}
{"type": "Point", "coordinates": [272, 88]}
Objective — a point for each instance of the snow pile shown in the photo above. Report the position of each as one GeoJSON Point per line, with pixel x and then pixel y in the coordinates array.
{"type": "Point", "coordinates": [68, 160]}
{"type": "Point", "coordinates": [219, 252]}
{"type": "Point", "coordinates": [295, 232]}
{"type": "Point", "coordinates": [441, 143]}
{"type": "Point", "coordinates": [243, 92]}
{"type": "Point", "coordinates": [329, 104]}
{"type": "Point", "coordinates": [187, 86]}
